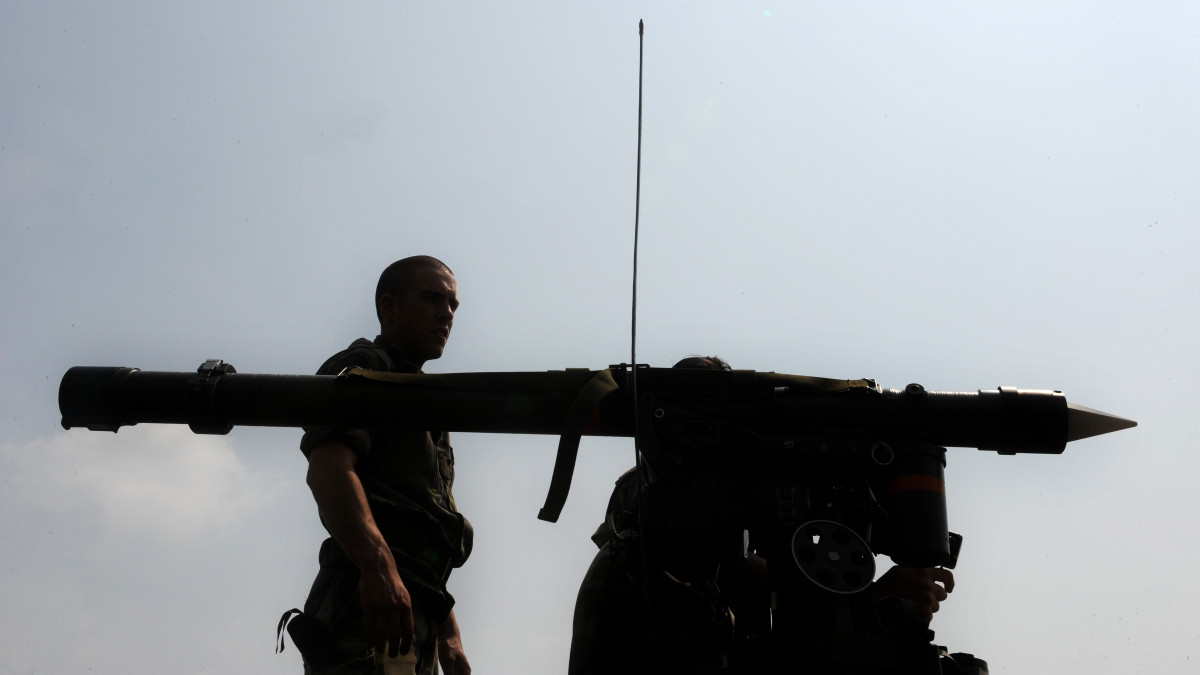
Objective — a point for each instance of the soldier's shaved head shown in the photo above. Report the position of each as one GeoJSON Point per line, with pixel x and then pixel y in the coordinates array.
{"type": "Point", "coordinates": [397, 275]}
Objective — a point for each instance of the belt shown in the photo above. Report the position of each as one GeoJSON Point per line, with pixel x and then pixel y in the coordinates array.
{"type": "Point", "coordinates": [431, 565]}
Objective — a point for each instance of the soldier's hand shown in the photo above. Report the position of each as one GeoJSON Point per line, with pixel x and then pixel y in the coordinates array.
{"type": "Point", "coordinates": [452, 658]}
{"type": "Point", "coordinates": [925, 587]}
{"type": "Point", "coordinates": [387, 611]}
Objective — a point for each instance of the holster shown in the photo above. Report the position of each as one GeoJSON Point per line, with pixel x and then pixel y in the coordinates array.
{"type": "Point", "coordinates": [311, 637]}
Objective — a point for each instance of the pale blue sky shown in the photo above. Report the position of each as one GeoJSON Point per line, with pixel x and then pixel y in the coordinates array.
{"type": "Point", "coordinates": [962, 195]}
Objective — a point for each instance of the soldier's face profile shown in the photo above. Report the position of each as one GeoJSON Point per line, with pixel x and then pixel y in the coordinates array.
{"type": "Point", "coordinates": [419, 318]}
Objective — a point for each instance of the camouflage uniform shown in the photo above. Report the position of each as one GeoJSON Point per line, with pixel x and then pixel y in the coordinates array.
{"type": "Point", "coordinates": [407, 477]}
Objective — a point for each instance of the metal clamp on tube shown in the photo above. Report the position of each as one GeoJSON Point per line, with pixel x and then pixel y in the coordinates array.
{"type": "Point", "coordinates": [203, 418]}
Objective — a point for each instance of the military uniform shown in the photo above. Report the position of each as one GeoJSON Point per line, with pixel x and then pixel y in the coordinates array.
{"type": "Point", "coordinates": [407, 477]}
{"type": "Point", "coordinates": [608, 630]}
{"type": "Point", "coordinates": [622, 624]}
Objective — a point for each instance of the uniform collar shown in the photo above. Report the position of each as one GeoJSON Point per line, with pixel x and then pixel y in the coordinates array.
{"type": "Point", "coordinates": [400, 362]}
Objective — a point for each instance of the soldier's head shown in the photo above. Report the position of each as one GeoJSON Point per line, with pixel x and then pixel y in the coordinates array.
{"type": "Point", "coordinates": [415, 301]}
{"type": "Point", "coordinates": [704, 362]}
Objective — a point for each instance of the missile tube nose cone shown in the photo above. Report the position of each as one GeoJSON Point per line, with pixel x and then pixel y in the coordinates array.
{"type": "Point", "coordinates": [1084, 422]}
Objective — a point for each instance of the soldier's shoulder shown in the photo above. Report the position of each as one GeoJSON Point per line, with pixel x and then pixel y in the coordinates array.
{"type": "Point", "coordinates": [362, 353]}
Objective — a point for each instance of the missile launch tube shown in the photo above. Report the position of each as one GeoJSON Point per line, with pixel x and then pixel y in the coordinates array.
{"type": "Point", "coordinates": [215, 398]}
{"type": "Point", "coordinates": [105, 399]}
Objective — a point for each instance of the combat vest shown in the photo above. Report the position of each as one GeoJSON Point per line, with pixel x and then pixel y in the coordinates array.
{"type": "Point", "coordinates": [408, 478]}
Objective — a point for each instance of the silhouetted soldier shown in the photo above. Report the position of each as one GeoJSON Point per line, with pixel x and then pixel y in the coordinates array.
{"type": "Point", "coordinates": [379, 603]}
{"type": "Point", "coordinates": [656, 598]}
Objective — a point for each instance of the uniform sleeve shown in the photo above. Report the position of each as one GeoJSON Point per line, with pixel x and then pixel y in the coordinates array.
{"type": "Point", "coordinates": [361, 354]}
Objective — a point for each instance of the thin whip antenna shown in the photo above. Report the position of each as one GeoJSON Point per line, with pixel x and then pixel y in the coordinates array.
{"type": "Point", "coordinates": [637, 210]}
{"type": "Point", "coordinates": [639, 465]}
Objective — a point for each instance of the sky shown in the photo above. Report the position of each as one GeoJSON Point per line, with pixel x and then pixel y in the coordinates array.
{"type": "Point", "coordinates": [964, 195]}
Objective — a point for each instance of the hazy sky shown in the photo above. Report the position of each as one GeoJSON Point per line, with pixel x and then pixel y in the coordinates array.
{"type": "Point", "coordinates": [965, 195]}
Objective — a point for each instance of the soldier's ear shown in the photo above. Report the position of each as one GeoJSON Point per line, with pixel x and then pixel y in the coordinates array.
{"type": "Point", "coordinates": [388, 306]}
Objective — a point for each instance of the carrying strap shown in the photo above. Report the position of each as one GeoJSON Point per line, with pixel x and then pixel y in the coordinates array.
{"type": "Point", "coordinates": [575, 422]}
{"type": "Point", "coordinates": [601, 385]}
{"type": "Point", "coordinates": [283, 622]}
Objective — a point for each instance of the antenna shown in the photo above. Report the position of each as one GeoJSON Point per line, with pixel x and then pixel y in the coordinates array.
{"type": "Point", "coordinates": [639, 464]}
{"type": "Point", "coordinates": [637, 209]}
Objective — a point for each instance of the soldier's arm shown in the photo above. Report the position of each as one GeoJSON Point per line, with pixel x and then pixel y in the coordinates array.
{"type": "Point", "coordinates": [387, 607]}
{"type": "Point", "coordinates": [450, 649]}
